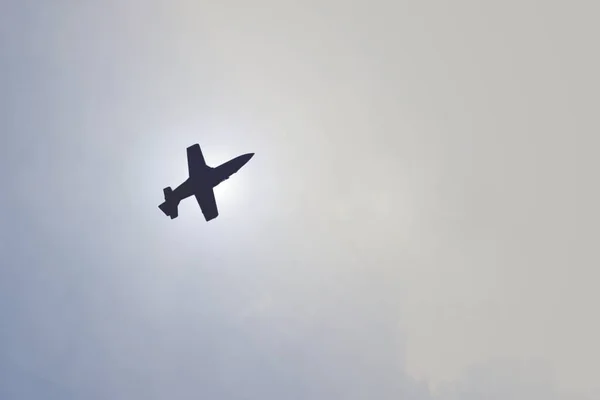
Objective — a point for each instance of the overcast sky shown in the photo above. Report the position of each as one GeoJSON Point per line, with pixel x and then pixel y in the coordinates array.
{"type": "Point", "coordinates": [420, 219]}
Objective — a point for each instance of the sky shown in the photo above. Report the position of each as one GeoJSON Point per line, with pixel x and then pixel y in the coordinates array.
{"type": "Point", "coordinates": [419, 220]}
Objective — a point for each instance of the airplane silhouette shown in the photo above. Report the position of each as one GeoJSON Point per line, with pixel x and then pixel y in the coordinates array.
{"type": "Point", "coordinates": [200, 183]}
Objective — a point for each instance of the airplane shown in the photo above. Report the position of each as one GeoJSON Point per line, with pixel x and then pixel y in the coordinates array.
{"type": "Point", "coordinates": [200, 183]}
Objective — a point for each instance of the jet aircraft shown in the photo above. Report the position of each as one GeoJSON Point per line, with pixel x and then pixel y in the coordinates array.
{"type": "Point", "coordinates": [200, 183]}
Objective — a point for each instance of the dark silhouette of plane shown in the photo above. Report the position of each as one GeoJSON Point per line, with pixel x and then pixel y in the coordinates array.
{"type": "Point", "coordinates": [202, 179]}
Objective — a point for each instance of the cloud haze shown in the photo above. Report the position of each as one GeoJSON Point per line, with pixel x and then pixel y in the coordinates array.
{"type": "Point", "coordinates": [422, 203]}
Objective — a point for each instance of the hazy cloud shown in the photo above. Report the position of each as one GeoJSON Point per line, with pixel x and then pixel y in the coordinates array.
{"type": "Point", "coordinates": [422, 200]}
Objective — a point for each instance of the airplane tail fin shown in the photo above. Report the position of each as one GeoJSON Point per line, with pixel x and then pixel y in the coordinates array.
{"type": "Point", "coordinates": [169, 207]}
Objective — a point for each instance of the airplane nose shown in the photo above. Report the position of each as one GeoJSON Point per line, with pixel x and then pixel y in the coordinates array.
{"type": "Point", "coordinates": [247, 157]}
{"type": "Point", "coordinates": [243, 159]}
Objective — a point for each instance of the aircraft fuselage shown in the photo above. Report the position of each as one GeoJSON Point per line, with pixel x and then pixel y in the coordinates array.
{"type": "Point", "coordinates": [210, 177]}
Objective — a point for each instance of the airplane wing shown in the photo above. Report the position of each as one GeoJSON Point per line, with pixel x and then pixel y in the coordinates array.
{"type": "Point", "coordinates": [208, 204]}
{"type": "Point", "coordinates": [195, 160]}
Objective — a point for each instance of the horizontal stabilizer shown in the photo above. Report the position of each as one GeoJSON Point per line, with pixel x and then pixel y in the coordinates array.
{"type": "Point", "coordinates": [170, 209]}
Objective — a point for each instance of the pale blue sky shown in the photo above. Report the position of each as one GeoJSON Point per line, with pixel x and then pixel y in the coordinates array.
{"type": "Point", "coordinates": [419, 220]}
